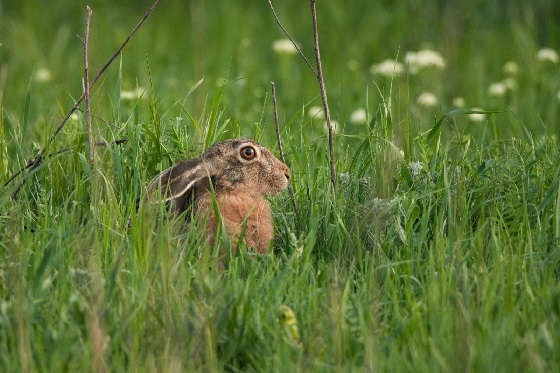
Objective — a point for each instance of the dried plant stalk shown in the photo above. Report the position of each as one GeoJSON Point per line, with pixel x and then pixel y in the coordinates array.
{"type": "Point", "coordinates": [35, 161]}
{"type": "Point", "coordinates": [86, 88]}
{"type": "Point", "coordinates": [318, 73]}
{"type": "Point", "coordinates": [279, 139]}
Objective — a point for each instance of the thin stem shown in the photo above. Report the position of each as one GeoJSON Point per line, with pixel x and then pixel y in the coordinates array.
{"type": "Point", "coordinates": [291, 38]}
{"type": "Point", "coordinates": [323, 94]}
{"type": "Point", "coordinates": [86, 89]}
{"type": "Point", "coordinates": [34, 162]}
{"type": "Point", "coordinates": [279, 139]}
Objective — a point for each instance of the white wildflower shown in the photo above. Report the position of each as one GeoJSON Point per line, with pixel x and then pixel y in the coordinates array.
{"type": "Point", "coordinates": [427, 99]}
{"type": "Point", "coordinates": [459, 102]}
{"type": "Point", "coordinates": [74, 117]}
{"type": "Point", "coordinates": [43, 75]}
{"type": "Point", "coordinates": [511, 68]}
{"type": "Point", "coordinates": [316, 112]}
{"type": "Point", "coordinates": [424, 58]}
{"type": "Point", "coordinates": [477, 117]}
{"type": "Point", "coordinates": [134, 94]}
{"type": "Point", "coordinates": [334, 124]}
{"type": "Point", "coordinates": [388, 68]}
{"type": "Point", "coordinates": [547, 54]}
{"type": "Point", "coordinates": [353, 65]}
{"type": "Point", "coordinates": [497, 89]}
{"type": "Point", "coordinates": [358, 116]}
{"type": "Point", "coordinates": [284, 46]}
{"type": "Point", "coordinates": [78, 274]}
{"type": "Point", "coordinates": [510, 84]}
{"type": "Point", "coordinates": [415, 168]}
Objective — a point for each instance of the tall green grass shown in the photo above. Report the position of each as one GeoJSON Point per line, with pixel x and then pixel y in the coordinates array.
{"type": "Point", "coordinates": [440, 251]}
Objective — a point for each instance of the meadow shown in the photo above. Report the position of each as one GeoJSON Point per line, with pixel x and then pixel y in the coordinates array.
{"type": "Point", "coordinates": [439, 251]}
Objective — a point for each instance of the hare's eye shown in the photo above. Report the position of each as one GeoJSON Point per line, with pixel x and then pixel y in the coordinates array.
{"type": "Point", "coordinates": [248, 152]}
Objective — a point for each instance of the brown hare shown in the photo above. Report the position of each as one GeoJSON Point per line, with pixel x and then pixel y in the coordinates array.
{"type": "Point", "coordinates": [242, 173]}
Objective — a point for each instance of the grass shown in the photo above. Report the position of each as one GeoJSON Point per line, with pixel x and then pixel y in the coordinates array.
{"type": "Point", "coordinates": [439, 253]}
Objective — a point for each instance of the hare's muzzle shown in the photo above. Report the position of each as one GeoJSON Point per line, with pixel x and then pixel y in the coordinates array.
{"type": "Point", "coordinates": [287, 173]}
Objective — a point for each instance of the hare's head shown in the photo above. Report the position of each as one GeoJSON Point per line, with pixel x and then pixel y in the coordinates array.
{"type": "Point", "coordinates": [235, 164]}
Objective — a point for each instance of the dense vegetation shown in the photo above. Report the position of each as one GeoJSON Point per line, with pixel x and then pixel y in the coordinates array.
{"type": "Point", "coordinates": [439, 252]}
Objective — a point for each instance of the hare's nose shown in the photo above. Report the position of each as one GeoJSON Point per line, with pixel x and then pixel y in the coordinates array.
{"type": "Point", "coordinates": [287, 172]}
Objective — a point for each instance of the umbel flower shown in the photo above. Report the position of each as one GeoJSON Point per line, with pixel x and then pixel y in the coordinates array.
{"type": "Point", "coordinates": [547, 55]}
{"type": "Point", "coordinates": [497, 89]}
{"type": "Point", "coordinates": [459, 102]}
{"type": "Point", "coordinates": [423, 59]}
{"type": "Point", "coordinates": [427, 99]}
{"type": "Point", "coordinates": [477, 117]}
{"type": "Point", "coordinates": [388, 68]}
{"type": "Point", "coordinates": [284, 46]}
{"type": "Point", "coordinates": [358, 116]}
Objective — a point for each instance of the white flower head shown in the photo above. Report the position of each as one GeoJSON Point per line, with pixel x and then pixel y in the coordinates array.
{"type": "Point", "coordinates": [511, 68]}
{"type": "Point", "coordinates": [427, 99]}
{"type": "Point", "coordinates": [43, 75]}
{"type": "Point", "coordinates": [284, 46]}
{"type": "Point", "coordinates": [422, 59]}
{"type": "Point", "coordinates": [388, 68]}
{"type": "Point", "coordinates": [134, 94]}
{"type": "Point", "coordinates": [334, 124]}
{"type": "Point", "coordinates": [497, 89]}
{"type": "Point", "coordinates": [459, 102]}
{"type": "Point", "coordinates": [547, 55]}
{"type": "Point", "coordinates": [415, 168]}
{"type": "Point", "coordinates": [358, 116]}
{"type": "Point", "coordinates": [74, 117]}
{"type": "Point", "coordinates": [316, 112]}
{"type": "Point", "coordinates": [477, 117]}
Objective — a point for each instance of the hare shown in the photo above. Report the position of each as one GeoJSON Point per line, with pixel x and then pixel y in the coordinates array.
{"type": "Point", "coordinates": [242, 173]}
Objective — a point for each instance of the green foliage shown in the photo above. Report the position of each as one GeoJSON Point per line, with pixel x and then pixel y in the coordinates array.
{"type": "Point", "coordinates": [440, 251]}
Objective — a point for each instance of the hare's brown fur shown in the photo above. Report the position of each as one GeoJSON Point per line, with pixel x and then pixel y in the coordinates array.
{"type": "Point", "coordinates": [240, 210]}
{"type": "Point", "coordinates": [240, 187]}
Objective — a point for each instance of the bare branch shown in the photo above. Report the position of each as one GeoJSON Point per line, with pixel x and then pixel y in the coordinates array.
{"type": "Point", "coordinates": [34, 162]}
{"type": "Point", "coordinates": [323, 94]}
{"type": "Point", "coordinates": [86, 88]}
{"type": "Point", "coordinates": [277, 126]}
{"type": "Point", "coordinates": [291, 38]}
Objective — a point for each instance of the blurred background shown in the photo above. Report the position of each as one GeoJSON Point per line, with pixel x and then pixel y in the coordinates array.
{"type": "Point", "coordinates": [231, 44]}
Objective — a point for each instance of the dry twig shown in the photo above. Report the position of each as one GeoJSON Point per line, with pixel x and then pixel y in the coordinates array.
{"type": "Point", "coordinates": [291, 38]}
{"type": "Point", "coordinates": [318, 72]}
{"type": "Point", "coordinates": [323, 93]}
{"type": "Point", "coordinates": [35, 161]}
{"type": "Point", "coordinates": [86, 88]}
{"type": "Point", "coordinates": [277, 126]}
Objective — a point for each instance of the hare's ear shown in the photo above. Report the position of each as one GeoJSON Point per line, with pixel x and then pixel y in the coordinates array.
{"type": "Point", "coordinates": [179, 179]}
